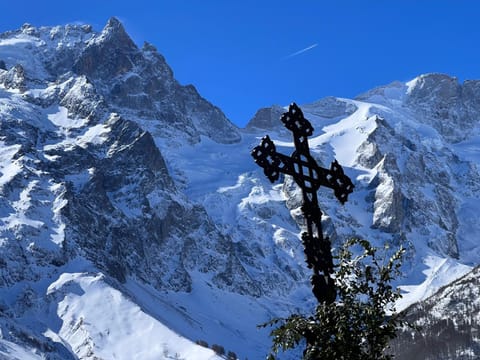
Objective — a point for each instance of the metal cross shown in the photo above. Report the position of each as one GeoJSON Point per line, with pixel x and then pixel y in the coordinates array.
{"type": "Point", "coordinates": [309, 177]}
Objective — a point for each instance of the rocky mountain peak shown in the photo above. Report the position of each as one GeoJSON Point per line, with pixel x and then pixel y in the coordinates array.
{"type": "Point", "coordinates": [147, 47]}
{"type": "Point", "coordinates": [29, 29]}
{"type": "Point", "coordinates": [446, 104]}
{"type": "Point", "coordinates": [134, 81]}
{"type": "Point", "coordinates": [109, 54]}
{"type": "Point", "coordinates": [266, 118]}
{"type": "Point", "coordinates": [115, 33]}
{"type": "Point", "coordinates": [114, 24]}
{"type": "Point", "coordinates": [330, 107]}
{"type": "Point", "coordinates": [432, 89]}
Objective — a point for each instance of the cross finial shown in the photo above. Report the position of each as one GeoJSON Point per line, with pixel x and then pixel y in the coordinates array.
{"type": "Point", "coordinates": [294, 121]}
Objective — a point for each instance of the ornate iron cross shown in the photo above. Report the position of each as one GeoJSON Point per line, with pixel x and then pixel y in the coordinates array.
{"type": "Point", "coordinates": [309, 176]}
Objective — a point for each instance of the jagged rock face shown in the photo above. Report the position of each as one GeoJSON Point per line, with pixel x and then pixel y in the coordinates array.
{"type": "Point", "coordinates": [131, 220]}
{"type": "Point", "coordinates": [418, 182]}
{"type": "Point", "coordinates": [388, 208]}
{"type": "Point", "coordinates": [330, 107]}
{"type": "Point", "coordinates": [108, 55]}
{"type": "Point", "coordinates": [135, 82]}
{"type": "Point", "coordinates": [101, 181]}
{"type": "Point", "coordinates": [448, 321]}
{"type": "Point", "coordinates": [470, 90]}
{"type": "Point", "coordinates": [266, 118]}
{"type": "Point", "coordinates": [14, 78]}
{"type": "Point", "coordinates": [139, 82]}
{"type": "Point", "coordinates": [69, 41]}
{"type": "Point", "coordinates": [445, 104]}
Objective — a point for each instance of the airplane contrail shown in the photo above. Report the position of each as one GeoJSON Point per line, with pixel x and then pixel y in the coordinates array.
{"type": "Point", "coordinates": [301, 51]}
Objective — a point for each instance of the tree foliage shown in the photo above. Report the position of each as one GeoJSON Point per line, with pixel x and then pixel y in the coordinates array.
{"type": "Point", "coordinates": [362, 320]}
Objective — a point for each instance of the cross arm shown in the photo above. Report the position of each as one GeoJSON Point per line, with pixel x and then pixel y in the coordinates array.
{"type": "Point", "coordinates": [335, 179]}
{"type": "Point", "coordinates": [273, 163]}
{"type": "Point", "coordinates": [308, 172]}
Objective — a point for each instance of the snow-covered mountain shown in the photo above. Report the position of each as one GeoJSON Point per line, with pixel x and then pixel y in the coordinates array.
{"type": "Point", "coordinates": [449, 324]}
{"type": "Point", "coordinates": [134, 222]}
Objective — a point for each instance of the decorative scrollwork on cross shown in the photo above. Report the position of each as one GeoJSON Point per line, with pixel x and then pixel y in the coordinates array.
{"type": "Point", "coordinates": [309, 177]}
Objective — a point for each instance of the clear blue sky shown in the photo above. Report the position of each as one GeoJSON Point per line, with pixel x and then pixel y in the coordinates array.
{"type": "Point", "coordinates": [239, 54]}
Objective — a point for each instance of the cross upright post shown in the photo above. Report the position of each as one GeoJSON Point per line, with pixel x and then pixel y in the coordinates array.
{"type": "Point", "coordinates": [309, 177]}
